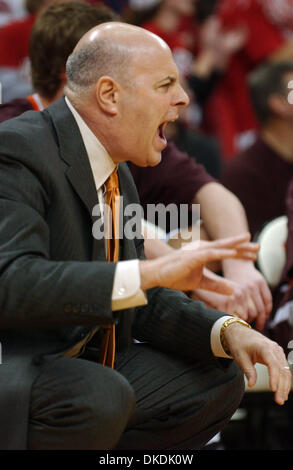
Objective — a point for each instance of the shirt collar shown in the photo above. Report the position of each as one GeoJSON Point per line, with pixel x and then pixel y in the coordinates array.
{"type": "Point", "coordinates": [101, 163]}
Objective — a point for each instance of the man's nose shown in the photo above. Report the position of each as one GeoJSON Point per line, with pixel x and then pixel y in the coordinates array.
{"type": "Point", "coordinates": [181, 97]}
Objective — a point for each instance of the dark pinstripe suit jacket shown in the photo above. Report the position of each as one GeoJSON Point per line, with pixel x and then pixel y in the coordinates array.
{"type": "Point", "coordinates": [55, 283]}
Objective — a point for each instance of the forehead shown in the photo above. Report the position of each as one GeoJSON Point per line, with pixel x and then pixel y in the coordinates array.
{"type": "Point", "coordinates": [154, 64]}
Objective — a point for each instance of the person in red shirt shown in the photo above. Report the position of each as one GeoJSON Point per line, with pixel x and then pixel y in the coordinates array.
{"type": "Point", "coordinates": [11, 10]}
{"type": "Point", "coordinates": [14, 50]}
{"type": "Point", "coordinates": [14, 36]}
{"type": "Point", "coordinates": [267, 29]}
{"type": "Point", "coordinates": [14, 45]}
{"type": "Point", "coordinates": [14, 41]}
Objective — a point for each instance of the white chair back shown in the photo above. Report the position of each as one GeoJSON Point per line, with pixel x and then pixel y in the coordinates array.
{"type": "Point", "coordinates": [272, 253]}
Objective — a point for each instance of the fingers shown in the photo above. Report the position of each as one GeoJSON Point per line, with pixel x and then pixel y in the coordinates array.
{"type": "Point", "coordinates": [208, 254]}
{"type": "Point", "coordinates": [281, 383]}
{"type": "Point", "coordinates": [251, 293]}
{"type": "Point", "coordinates": [238, 308]}
{"type": "Point", "coordinates": [267, 297]}
{"type": "Point", "coordinates": [259, 303]}
{"type": "Point", "coordinates": [218, 285]}
{"type": "Point", "coordinates": [245, 255]}
{"type": "Point", "coordinates": [253, 247]}
{"type": "Point", "coordinates": [284, 385]}
{"type": "Point", "coordinates": [254, 307]}
{"type": "Point", "coordinates": [248, 347]}
{"type": "Point", "coordinates": [279, 377]}
{"type": "Point", "coordinates": [280, 374]}
{"type": "Point", "coordinates": [258, 311]}
{"type": "Point", "coordinates": [243, 249]}
{"type": "Point", "coordinates": [231, 241]}
{"type": "Point", "coordinates": [249, 371]}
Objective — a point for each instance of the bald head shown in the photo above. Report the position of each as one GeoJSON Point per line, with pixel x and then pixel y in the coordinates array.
{"type": "Point", "coordinates": [110, 49]}
{"type": "Point", "coordinates": [122, 33]}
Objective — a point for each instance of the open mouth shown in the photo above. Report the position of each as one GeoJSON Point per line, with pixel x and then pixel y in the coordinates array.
{"type": "Point", "coordinates": [161, 132]}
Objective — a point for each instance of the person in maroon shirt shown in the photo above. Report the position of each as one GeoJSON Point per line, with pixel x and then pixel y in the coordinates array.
{"type": "Point", "coordinates": [260, 176]}
{"type": "Point", "coordinates": [279, 325]}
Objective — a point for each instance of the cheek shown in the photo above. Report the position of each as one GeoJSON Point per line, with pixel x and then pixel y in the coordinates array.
{"type": "Point", "coordinates": [142, 130]}
{"type": "Point", "coordinates": [134, 136]}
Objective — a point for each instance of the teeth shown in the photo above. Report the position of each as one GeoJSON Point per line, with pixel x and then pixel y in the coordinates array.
{"type": "Point", "coordinates": [161, 130]}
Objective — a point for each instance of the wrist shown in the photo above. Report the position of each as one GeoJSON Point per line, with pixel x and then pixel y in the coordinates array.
{"type": "Point", "coordinates": [146, 272]}
{"type": "Point", "coordinates": [229, 266]}
{"type": "Point", "coordinates": [228, 330]}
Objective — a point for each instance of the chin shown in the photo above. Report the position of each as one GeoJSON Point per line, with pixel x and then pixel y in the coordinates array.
{"type": "Point", "coordinates": [154, 163]}
{"type": "Point", "coordinates": [154, 160]}
{"type": "Point", "coordinates": [151, 161]}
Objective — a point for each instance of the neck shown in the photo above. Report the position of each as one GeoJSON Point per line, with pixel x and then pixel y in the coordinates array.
{"type": "Point", "coordinates": [279, 136]}
{"type": "Point", "coordinates": [100, 126]}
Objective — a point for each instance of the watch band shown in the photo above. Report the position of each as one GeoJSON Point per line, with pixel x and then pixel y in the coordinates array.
{"type": "Point", "coordinates": [225, 325]}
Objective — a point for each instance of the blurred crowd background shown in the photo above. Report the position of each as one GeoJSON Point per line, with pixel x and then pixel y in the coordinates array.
{"type": "Point", "coordinates": [216, 44]}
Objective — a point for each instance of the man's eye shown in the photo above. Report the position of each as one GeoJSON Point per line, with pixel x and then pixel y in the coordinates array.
{"type": "Point", "coordinates": [166, 85]}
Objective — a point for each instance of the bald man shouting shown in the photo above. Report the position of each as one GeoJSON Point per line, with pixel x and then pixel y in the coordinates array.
{"type": "Point", "coordinates": [177, 376]}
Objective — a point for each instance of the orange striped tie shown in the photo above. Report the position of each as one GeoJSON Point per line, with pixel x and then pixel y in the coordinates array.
{"type": "Point", "coordinates": [112, 196]}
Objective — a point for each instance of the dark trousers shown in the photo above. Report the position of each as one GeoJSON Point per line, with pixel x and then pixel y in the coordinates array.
{"type": "Point", "coordinates": [150, 401]}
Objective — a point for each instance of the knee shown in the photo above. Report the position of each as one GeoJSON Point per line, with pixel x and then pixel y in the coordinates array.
{"type": "Point", "coordinates": [77, 404]}
{"type": "Point", "coordinates": [232, 389]}
{"type": "Point", "coordinates": [237, 383]}
{"type": "Point", "coordinates": [109, 418]}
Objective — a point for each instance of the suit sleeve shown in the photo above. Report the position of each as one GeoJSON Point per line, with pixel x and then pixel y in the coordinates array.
{"type": "Point", "coordinates": [34, 289]}
{"type": "Point", "coordinates": [174, 323]}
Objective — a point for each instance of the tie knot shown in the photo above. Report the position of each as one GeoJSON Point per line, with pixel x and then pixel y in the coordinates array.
{"type": "Point", "coordinates": [112, 182]}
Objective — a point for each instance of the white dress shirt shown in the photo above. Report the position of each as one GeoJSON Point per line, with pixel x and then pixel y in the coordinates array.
{"type": "Point", "coordinates": [126, 291]}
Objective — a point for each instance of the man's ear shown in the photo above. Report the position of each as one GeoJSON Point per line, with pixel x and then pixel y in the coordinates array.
{"type": "Point", "coordinates": [107, 93]}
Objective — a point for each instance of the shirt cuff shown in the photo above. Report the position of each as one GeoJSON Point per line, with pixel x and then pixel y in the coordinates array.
{"type": "Point", "coordinates": [216, 344]}
{"type": "Point", "coordinates": [126, 291]}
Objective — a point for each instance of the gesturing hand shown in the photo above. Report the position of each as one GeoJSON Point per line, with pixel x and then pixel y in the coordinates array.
{"type": "Point", "coordinates": [184, 269]}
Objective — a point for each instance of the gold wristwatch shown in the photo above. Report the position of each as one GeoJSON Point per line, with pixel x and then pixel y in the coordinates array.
{"type": "Point", "coordinates": [223, 329]}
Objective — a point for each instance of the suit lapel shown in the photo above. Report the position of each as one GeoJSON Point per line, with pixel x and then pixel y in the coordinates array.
{"type": "Point", "coordinates": [73, 152]}
{"type": "Point", "coordinates": [128, 248]}
{"type": "Point", "coordinates": [78, 172]}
